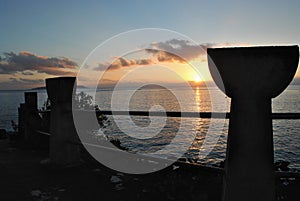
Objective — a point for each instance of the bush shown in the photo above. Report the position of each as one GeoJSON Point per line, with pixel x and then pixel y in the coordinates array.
{"type": "Point", "coordinates": [83, 101]}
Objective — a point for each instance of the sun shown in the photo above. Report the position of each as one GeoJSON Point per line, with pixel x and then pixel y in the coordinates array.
{"type": "Point", "coordinates": [197, 79]}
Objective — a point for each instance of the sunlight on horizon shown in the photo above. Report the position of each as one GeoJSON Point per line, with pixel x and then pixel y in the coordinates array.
{"type": "Point", "coordinates": [197, 79]}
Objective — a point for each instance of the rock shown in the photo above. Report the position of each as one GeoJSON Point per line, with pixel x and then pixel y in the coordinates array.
{"type": "Point", "coordinates": [119, 187]}
{"type": "Point", "coordinates": [285, 183]}
{"type": "Point", "coordinates": [222, 164]}
{"type": "Point", "coordinates": [116, 142]}
{"type": "Point", "coordinates": [292, 179]}
{"type": "Point", "coordinates": [120, 174]}
{"type": "Point", "coordinates": [36, 193]}
{"type": "Point", "coordinates": [191, 160]}
{"type": "Point", "coordinates": [282, 165]}
{"type": "Point", "coordinates": [96, 170]}
{"type": "Point", "coordinates": [115, 179]}
{"type": "Point", "coordinates": [201, 163]}
{"type": "Point", "coordinates": [45, 161]}
{"type": "Point", "coordinates": [182, 160]}
{"type": "Point", "coordinates": [3, 134]}
{"type": "Point", "coordinates": [62, 190]}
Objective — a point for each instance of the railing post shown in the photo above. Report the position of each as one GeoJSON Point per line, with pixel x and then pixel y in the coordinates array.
{"type": "Point", "coordinates": [21, 120]}
{"type": "Point", "coordinates": [62, 130]}
{"type": "Point", "coordinates": [30, 117]}
{"type": "Point", "coordinates": [251, 77]}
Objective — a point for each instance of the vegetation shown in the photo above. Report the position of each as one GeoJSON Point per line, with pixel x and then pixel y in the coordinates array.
{"type": "Point", "coordinates": [46, 105]}
{"type": "Point", "coordinates": [14, 126]}
{"type": "Point", "coordinates": [83, 101]}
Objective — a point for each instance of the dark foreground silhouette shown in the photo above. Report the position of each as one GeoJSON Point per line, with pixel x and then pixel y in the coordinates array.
{"type": "Point", "coordinates": [23, 177]}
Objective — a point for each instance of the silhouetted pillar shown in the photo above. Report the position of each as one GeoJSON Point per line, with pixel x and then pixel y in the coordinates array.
{"type": "Point", "coordinates": [31, 118]}
{"type": "Point", "coordinates": [31, 100]}
{"type": "Point", "coordinates": [21, 120]}
{"type": "Point", "coordinates": [251, 76]}
{"type": "Point", "coordinates": [62, 130]}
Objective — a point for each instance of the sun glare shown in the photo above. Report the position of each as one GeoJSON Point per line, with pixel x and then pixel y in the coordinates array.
{"type": "Point", "coordinates": [197, 78]}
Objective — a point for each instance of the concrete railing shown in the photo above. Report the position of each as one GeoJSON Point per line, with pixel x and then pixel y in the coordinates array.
{"type": "Point", "coordinates": [252, 76]}
{"type": "Point", "coordinates": [57, 124]}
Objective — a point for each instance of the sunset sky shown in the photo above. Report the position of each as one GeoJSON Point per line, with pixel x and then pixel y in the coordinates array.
{"type": "Point", "coordinates": [41, 39]}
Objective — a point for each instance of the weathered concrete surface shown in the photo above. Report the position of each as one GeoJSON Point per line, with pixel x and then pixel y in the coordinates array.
{"type": "Point", "coordinates": [251, 76]}
{"type": "Point", "coordinates": [62, 151]}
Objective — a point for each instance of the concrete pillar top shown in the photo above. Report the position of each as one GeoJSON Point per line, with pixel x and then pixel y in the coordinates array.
{"type": "Point", "coordinates": [60, 89]}
{"type": "Point", "coordinates": [260, 71]}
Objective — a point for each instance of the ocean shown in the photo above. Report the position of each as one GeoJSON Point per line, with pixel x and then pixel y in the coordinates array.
{"type": "Point", "coordinates": [144, 135]}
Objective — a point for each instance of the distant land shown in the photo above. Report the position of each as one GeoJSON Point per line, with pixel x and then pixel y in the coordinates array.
{"type": "Point", "coordinates": [296, 81]}
{"type": "Point", "coordinates": [41, 88]}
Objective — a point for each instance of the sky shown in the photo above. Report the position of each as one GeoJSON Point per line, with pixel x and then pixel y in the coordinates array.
{"type": "Point", "coordinates": [41, 39]}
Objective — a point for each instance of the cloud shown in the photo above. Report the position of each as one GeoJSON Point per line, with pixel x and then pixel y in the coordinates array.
{"type": "Point", "coordinates": [26, 63]}
{"type": "Point", "coordinates": [176, 50]}
{"type": "Point", "coordinates": [182, 51]}
{"type": "Point", "coordinates": [21, 83]}
{"type": "Point", "coordinates": [171, 51]}
{"type": "Point", "coordinates": [123, 62]}
{"type": "Point", "coordinates": [27, 73]}
{"type": "Point", "coordinates": [31, 81]}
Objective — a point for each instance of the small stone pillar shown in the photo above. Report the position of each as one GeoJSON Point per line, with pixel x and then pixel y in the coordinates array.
{"type": "Point", "coordinates": [31, 100]}
{"type": "Point", "coordinates": [62, 151]}
{"type": "Point", "coordinates": [251, 77]}
{"type": "Point", "coordinates": [30, 117]}
{"type": "Point", "coordinates": [21, 120]}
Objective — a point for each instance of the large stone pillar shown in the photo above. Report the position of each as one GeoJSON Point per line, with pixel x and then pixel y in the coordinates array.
{"type": "Point", "coordinates": [62, 151]}
{"type": "Point", "coordinates": [251, 77]}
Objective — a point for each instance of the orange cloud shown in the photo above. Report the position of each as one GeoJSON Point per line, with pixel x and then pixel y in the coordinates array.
{"type": "Point", "coordinates": [171, 51]}
{"type": "Point", "coordinates": [121, 62]}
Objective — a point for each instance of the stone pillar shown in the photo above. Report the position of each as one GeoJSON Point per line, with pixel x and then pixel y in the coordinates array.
{"type": "Point", "coordinates": [31, 100]}
{"type": "Point", "coordinates": [31, 118]}
{"type": "Point", "coordinates": [251, 77]}
{"type": "Point", "coordinates": [62, 130]}
{"type": "Point", "coordinates": [21, 121]}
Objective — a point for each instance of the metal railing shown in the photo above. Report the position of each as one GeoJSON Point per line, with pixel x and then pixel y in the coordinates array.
{"type": "Point", "coordinates": [204, 115]}
{"type": "Point", "coordinates": [31, 108]}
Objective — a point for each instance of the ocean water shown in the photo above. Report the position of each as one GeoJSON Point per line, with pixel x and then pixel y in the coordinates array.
{"type": "Point", "coordinates": [152, 135]}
